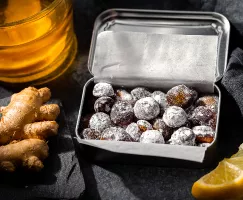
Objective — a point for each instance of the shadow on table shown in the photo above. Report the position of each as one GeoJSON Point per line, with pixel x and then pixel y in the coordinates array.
{"type": "Point", "coordinates": [152, 182]}
{"type": "Point", "coordinates": [91, 192]}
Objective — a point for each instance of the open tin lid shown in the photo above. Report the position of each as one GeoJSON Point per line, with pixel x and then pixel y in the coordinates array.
{"type": "Point", "coordinates": [159, 48]}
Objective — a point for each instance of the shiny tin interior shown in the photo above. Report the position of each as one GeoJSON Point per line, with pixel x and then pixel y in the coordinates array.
{"type": "Point", "coordinates": [165, 22]}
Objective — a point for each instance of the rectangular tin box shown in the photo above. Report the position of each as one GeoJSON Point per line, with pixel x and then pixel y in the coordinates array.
{"type": "Point", "coordinates": [158, 22]}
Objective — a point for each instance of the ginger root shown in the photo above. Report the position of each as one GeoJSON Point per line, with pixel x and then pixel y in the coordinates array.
{"type": "Point", "coordinates": [20, 116]}
{"type": "Point", "coordinates": [28, 153]}
{"type": "Point", "coordinates": [24, 126]}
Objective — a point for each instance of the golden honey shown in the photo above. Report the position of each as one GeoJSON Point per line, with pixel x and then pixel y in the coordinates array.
{"type": "Point", "coordinates": [37, 41]}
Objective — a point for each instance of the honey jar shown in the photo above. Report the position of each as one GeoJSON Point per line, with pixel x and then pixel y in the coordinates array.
{"type": "Point", "coordinates": [37, 42]}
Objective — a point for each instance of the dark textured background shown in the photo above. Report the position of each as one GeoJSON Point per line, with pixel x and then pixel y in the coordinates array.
{"type": "Point", "coordinates": [142, 182]}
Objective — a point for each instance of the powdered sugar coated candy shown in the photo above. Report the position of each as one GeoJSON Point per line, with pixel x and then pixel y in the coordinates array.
{"type": "Point", "coordinates": [146, 108]}
{"type": "Point", "coordinates": [134, 131]}
{"type": "Point", "coordinates": [123, 95]}
{"type": "Point", "coordinates": [152, 136]}
{"type": "Point", "coordinates": [116, 134]}
{"type": "Point", "coordinates": [201, 115]}
{"type": "Point", "coordinates": [181, 96]}
{"type": "Point", "coordinates": [160, 97]}
{"type": "Point", "coordinates": [209, 101]}
{"type": "Point", "coordinates": [90, 134]}
{"type": "Point", "coordinates": [174, 116]}
{"type": "Point", "coordinates": [144, 125]}
{"type": "Point", "coordinates": [161, 126]}
{"type": "Point", "coordinates": [183, 136]}
{"type": "Point", "coordinates": [204, 134]}
{"type": "Point", "coordinates": [103, 104]}
{"type": "Point", "coordinates": [103, 89]}
{"type": "Point", "coordinates": [99, 121]}
{"type": "Point", "coordinates": [139, 93]}
{"type": "Point", "coordinates": [122, 113]}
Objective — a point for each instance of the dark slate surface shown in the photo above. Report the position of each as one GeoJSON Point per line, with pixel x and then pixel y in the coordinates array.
{"type": "Point", "coordinates": [115, 181]}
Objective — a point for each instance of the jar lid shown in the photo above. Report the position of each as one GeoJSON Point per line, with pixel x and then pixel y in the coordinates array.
{"type": "Point", "coordinates": [159, 48]}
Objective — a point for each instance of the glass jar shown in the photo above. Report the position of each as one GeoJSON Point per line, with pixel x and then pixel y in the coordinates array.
{"type": "Point", "coordinates": [37, 45]}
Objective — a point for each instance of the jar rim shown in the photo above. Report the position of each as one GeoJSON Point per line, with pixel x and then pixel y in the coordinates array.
{"type": "Point", "coordinates": [34, 17]}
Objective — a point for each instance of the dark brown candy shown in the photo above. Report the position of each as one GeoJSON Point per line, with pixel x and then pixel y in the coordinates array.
{"type": "Point", "coordinates": [115, 134]}
{"type": "Point", "coordinates": [103, 104]}
{"type": "Point", "coordinates": [201, 115]}
{"type": "Point", "coordinates": [181, 96]}
{"type": "Point", "coordinates": [139, 93]}
{"type": "Point", "coordinates": [146, 108]}
{"type": "Point", "coordinates": [161, 126]}
{"type": "Point", "coordinates": [90, 134]}
{"type": "Point", "coordinates": [209, 101]}
{"type": "Point", "coordinates": [122, 113]}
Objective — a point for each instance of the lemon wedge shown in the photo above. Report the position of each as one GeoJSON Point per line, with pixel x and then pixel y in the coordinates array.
{"type": "Point", "coordinates": [224, 183]}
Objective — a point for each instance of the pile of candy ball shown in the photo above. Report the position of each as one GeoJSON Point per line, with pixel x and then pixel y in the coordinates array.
{"type": "Point", "coordinates": [178, 117]}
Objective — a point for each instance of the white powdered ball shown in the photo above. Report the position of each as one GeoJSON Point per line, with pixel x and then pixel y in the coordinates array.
{"type": "Point", "coordinates": [183, 136]}
{"type": "Point", "coordinates": [174, 116]}
{"type": "Point", "coordinates": [139, 93]}
{"type": "Point", "coordinates": [103, 89]}
{"type": "Point", "coordinates": [115, 134]}
{"type": "Point", "coordinates": [152, 136]}
{"type": "Point", "coordinates": [134, 131]}
{"type": "Point", "coordinates": [99, 121]}
{"type": "Point", "coordinates": [146, 108]}
{"type": "Point", "coordinates": [160, 97]}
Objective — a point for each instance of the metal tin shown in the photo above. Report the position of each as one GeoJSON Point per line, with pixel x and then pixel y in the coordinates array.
{"type": "Point", "coordinates": [169, 22]}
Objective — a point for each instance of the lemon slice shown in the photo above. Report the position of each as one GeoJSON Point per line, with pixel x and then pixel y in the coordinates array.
{"type": "Point", "coordinates": [224, 183]}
